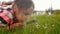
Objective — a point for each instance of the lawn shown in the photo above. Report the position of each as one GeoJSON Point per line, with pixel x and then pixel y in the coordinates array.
{"type": "Point", "coordinates": [46, 24]}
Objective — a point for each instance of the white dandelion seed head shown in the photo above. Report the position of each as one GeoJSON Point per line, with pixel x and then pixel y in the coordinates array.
{"type": "Point", "coordinates": [45, 27]}
{"type": "Point", "coordinates": [37, 26]}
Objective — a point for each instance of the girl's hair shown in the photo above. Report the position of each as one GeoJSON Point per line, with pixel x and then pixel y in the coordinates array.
{"type": "Point", "coordinates": [24, 4]}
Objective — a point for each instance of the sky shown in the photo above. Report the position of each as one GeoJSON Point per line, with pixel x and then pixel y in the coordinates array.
{"type": "Point", "coordinates": [42, 5]}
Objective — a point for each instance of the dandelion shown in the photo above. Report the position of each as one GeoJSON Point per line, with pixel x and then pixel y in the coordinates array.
{"type": "Point", "coordinates": [37, 26]}
{"type": "Point", "coordinates": [45, 27]}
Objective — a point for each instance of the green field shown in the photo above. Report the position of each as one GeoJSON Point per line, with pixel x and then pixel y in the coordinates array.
{"type": "Point", "coordinates": [46, 24]}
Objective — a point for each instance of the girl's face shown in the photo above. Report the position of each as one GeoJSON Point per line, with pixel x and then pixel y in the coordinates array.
{"type": "Point", "coordinates": [22, 14]}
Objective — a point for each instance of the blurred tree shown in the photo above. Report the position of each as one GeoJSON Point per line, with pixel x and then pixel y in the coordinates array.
{"type": "Point", "coordinates": [56, 12]}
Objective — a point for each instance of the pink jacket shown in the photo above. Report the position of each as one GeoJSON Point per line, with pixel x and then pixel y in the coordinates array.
{"type": "Point", "coordinates": [7, 16]}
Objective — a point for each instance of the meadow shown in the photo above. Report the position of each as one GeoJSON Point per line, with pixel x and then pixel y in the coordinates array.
{"type": "Point", "coordinates": [46, 24]}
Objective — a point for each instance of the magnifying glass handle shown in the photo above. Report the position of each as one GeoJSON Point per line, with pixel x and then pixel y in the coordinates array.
{"type": "Point", "coordinates": [32, 21]}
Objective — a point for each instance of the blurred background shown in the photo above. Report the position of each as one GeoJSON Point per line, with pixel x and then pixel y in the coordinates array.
{"type": "Point", "coordinates": [47, 16]}
{"type": "Point", "coordinates": [51, 6]}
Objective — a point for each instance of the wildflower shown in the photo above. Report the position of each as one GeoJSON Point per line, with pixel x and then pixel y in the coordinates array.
{"type": "Point", "coordinates": [37, 26]}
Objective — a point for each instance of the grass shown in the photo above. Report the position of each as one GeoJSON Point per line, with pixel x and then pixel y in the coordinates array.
{"type": "Point", "coordinates": [46, 24]}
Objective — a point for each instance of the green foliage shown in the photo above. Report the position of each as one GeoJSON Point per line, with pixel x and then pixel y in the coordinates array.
{"type": "Point", "coordinates": [48, 24]}
{"type": "Point", "coordinates": [56, 12]}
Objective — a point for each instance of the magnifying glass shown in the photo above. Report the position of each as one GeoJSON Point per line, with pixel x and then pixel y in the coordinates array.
{"type": "Point", "coordinates": [31, 21]}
